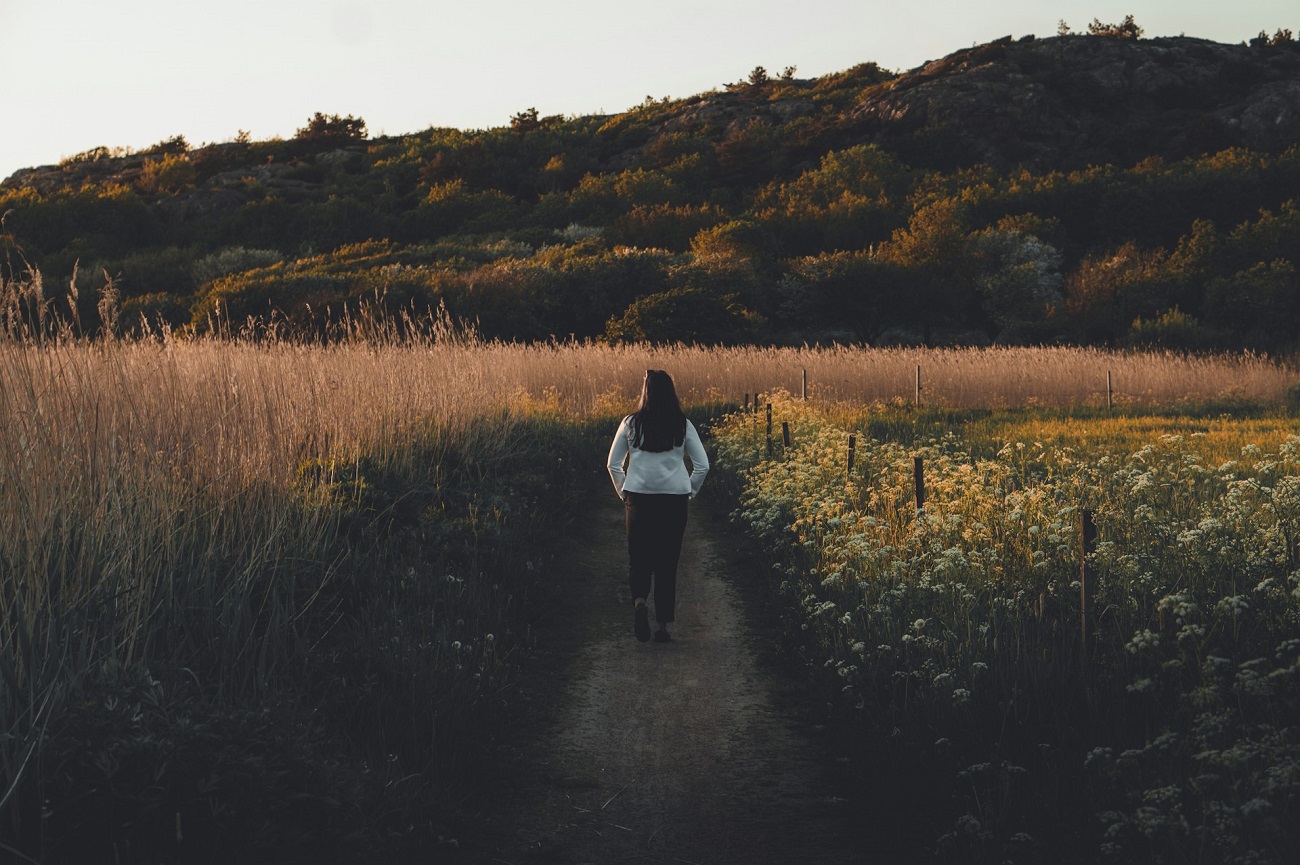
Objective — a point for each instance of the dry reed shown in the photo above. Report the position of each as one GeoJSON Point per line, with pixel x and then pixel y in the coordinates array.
{"type": "Point", "coordinates": [955, 378]}
{"type": "Point", "coordinates": [85, 426]}
{"type": "Point", "coordinates": [133, 463]}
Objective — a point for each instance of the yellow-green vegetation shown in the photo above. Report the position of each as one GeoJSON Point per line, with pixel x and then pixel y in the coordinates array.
{"type": "Point", "coordinates": [958, 632]}
{"type": "Point", "coordinates": [1216, 438]}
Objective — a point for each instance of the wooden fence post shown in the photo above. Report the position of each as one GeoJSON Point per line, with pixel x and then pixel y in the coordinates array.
{"type": "Point", "coordinates": [918, 479]}
{"type": "Point", "coordinates": [1110, 392]}
{"type": "Point", "coordinates": [785, 434]}
{"type": "Point", "coordinates": [853, 441]}
{"type": "Point", "coordinates": [1087, 584]}
{"type": "Point", "coordinates": [804, 389]}
{"type": "Point", "coordinates": [918, 385]}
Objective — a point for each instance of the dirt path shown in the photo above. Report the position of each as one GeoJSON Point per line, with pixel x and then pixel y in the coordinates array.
{"type": "Point", "coordinates": [672, 753]}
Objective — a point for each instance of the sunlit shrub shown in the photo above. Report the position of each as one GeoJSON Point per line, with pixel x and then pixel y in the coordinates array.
{"type": "Point", "coordinates": [170, 173]}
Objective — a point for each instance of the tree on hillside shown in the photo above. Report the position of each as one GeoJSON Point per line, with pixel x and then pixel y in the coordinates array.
{"type": "Point", "coordinates": [1019, 281]}
{"type": "Point", "coordinates": [525, 121]}
{"type": "Point", "coordinates": [175, 144]}
{"type": "Point", "coordinates": [1261, 302]}
{"type": "Point", "coordinates": [688, 314]}
{"type": "Point", "coordinates": [323, 127]}
{"type": "Point", "coordinates": [1282, 37]}
{"type": "Point", "coordinates": [1107, 292]}
{"type": "Point", "coordinates": [1126, 29]}
{"type": "Point", "coordinates": [934, 252]}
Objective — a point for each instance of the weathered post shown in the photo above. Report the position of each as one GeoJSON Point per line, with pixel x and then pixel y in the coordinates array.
{"type": "Point", "coordinates": [1110, 392]}
{"type": "Point", "coordinates": [804, 389]}
{"type": "Point", "coordinates": [918, 385]}
{"type": "Point", "coordinates": [1087, 584]}
{"type": "Point", "coordinates": [853, 441]}
{"type": "Point", "coordinates": [918, 479]}
{"type": "Point", "coordinates": [785, 434]}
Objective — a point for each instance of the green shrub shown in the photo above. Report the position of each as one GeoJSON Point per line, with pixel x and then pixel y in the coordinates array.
{"type": "Point", "coordinates": [231, 259]}
{"type": "Point", "coordinates": [172, 173]}
{"type": "Point", "coordinates": [1173, 329]}
{"type": "Point", "coordinates": [688, 315]}
{"type": "Point", "coordinates": [153, 311]}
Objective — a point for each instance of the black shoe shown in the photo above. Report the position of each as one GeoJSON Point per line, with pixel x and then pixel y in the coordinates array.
{"type": "Point", "coordinates": [642, 626]}
{"type": "Point", "coordinates": [661, 636]}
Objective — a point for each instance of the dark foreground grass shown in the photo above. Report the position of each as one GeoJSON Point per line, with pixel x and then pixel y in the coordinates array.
{"type": "Point", "coordinates": [370, 742]}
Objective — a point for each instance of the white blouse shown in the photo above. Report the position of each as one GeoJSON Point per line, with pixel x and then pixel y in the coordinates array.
{"type": "Point", "coordinates": [650, 472]}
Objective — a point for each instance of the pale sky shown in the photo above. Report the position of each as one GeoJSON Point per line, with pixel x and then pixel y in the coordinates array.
{"type": "Point", "coordinates": [76, 74]}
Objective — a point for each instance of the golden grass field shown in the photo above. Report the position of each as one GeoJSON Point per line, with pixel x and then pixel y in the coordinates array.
{"type": "Point", "coordinates": [227, 415]}
{"type": "Point", "coordinates": [163, 453]}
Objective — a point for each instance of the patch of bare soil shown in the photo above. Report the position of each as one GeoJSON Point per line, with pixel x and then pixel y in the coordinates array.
{"type": "Point", "coordinates": [683, 752]}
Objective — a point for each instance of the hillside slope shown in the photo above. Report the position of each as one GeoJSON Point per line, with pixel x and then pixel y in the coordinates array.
{"type": "Point", "coordinates": [1097, 149]}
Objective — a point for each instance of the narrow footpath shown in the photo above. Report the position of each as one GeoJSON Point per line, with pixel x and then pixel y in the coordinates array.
{"type": "Point", "coordinates": [670, 753]}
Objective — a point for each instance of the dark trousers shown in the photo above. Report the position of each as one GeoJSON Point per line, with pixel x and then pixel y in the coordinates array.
{"type": "Point", "coordinates": [655, 525]}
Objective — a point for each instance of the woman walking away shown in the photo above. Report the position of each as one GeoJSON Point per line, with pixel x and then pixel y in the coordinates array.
{"type": "Point", "coordinates": [655, 487]}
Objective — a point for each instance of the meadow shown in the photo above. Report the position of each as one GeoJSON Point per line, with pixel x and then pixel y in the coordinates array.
{"type": "Point", "coordinates": [258, 595]}
{"type": "Point", "coordinates": [1154, 722]}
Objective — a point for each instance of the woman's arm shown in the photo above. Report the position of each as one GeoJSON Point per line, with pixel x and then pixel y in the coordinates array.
{"type": "Point", "coordinates": [618, 450]}
{"type": "Point", "coordinates": [699, 459]}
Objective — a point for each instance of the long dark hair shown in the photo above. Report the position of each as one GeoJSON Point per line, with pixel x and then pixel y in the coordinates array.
{"type": "Point", "coordinates": [659, 424]}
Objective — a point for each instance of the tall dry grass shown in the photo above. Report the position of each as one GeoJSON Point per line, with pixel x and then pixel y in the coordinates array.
{"type": "Point", "coordinates": [129, 466]}
{"type": "Point", "coordinates": [581, 377]}
{"type": "Point", "coordinates": [957, 378]}
{"type": "Point", "coordinates": [125, 464]}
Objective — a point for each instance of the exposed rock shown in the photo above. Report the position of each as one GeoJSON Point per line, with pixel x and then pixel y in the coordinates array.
{"type": "Point", "coordinates": [346, 157]}
{"type": "Point", "coordinates": [720, 110]}
{"type": "Point", "coordinates": [1068, 101]}
{"type": "Point", "coordinates": [1272, 114]}
{"type": "Point", "coordinates": [732, 110]}
{"type": "Point", "coordinates": [793, 109]}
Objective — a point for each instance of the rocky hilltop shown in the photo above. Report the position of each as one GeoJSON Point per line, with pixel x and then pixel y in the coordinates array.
{"type": "Point", "coordinates": [1060, 102]}
{"type": "Point", "coordinates": [1072, 100]}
